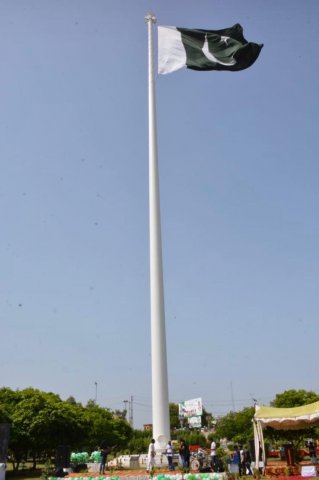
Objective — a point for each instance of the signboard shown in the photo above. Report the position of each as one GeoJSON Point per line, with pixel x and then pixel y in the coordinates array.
{"type": "Point", "coordinates": [190, 408]}
{"type": "Point", "coordinates": [195, 422]}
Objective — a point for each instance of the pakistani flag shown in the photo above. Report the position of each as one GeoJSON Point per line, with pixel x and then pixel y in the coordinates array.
{"type": "Point", "coordinates": [225, 49]}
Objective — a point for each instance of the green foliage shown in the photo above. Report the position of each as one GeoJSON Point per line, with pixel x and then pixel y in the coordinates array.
{"type": "Point", "coordinates": [105, 428]}
{"type": "Point", "coordinates": [41, 421]}
{"type": "Point", "coordinates": [294, 398]}
{"type": "Point", "coordinates": [207, 418]}
{"type": "Point", "coordinates": [222, 456]}
{"type": "Point", "coordinates": [4, 415]}
{"type": "Point", "coordinates": [138, 444]}
{"type": "Point", "coordinates": [173, 415]}
{"type": "Point", "coordinates": [236, 426]}
{"type": "Point", "coordinates": [192, 437]}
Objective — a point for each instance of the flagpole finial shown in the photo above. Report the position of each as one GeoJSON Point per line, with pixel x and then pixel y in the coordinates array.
{"type": "Point", "coordinates": [150, 17]}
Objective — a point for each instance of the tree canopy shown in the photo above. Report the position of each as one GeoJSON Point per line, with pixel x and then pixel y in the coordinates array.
{"type": "Point", "coordinates": [236, 426]}
{"type": "Point", "coordinates": [41, 421]}
{"type": "Point", "coordinates": [294, 398]}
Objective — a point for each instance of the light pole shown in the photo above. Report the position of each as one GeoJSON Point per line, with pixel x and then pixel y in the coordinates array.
{"type": "Point", "coordinates": [95, 401]}
{"type": "Point", "coordinates": [125, 408]}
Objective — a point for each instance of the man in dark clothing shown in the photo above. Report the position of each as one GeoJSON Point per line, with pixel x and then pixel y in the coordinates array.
{"type": "Point", "coordinates": [312, 452]}
{"type": "Point", "coordinates": [247, 462]}
{"type": "Point", "coordinates": [184, 454]}
{"type": "Point", "coordinates": [103, 451]}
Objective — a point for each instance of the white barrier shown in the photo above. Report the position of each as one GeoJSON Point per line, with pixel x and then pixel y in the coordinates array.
{"type": "Point", "coordinates": [308, 471]}
{"type": "Point", "coordinates": [93, 467]}
{"type": "Point", "coordinates": [2, 471]}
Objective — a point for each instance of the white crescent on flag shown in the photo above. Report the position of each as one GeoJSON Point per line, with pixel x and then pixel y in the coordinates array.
{"type": "Point", "coordinates": [211, 57]}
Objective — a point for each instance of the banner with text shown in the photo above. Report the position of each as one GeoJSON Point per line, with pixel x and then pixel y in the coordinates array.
{"type": "Point", "coordinates": [195, 422]}
{"type": "Point", "coordinates": [190, 408]}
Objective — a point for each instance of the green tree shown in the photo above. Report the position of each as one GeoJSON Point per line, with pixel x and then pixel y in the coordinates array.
{"type": "Point", "coordinates": [24, 422]}
{"type": "Point", "coordinates": [173, 416]}
{"type": "Point", "coordinates": [235, 426]}
{"type": "Point", "coordinates": [139, 442]}
{"type": "Point", "coordinates": [71, 400]}
{"type": "Point", "coordinates": [192, 437]}
{"type": "Point", "coordinates": [41, 421]}
{"type": "Point", "coordinates": [120, 413]}
{"type": "Point", "coordinates": [8, 402]}
{"type": "Point", "coordinates": [294, 398]}
{"type": "Point", "coordinates": [105, 429]}
{"type": "Point", "coordinates": [207, 418]}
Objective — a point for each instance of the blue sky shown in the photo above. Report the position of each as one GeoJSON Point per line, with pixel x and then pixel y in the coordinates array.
{"type": "Point", "coordinates": [238, 155]}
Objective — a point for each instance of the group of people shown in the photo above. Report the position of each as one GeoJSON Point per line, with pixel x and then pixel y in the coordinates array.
{"type": "Point", "coordinates": [184, 454]}
{"type": "Point", "coordinates": [242, 458]}
{"type": "Point", "coordinates": [183, 451]}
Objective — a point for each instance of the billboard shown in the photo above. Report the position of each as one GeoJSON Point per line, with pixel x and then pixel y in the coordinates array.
{"type": "Point", "coordinates": [190, 408]}
{"type": "Point", "coordinates": [195, 422]}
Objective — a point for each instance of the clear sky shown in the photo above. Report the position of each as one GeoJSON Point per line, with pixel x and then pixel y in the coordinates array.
{"type": "Point", "coordinates": [238, 156]}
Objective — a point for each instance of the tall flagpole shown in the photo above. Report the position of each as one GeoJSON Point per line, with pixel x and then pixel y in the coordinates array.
{"type": "Point", "coordinates": [160, 405]}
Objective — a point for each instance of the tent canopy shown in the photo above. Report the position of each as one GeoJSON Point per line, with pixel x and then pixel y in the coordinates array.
{"type": "Point", "coordinates": [295, 418]}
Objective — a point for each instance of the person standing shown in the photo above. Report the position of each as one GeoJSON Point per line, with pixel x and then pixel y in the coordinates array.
{"type": "Point", "coordinates": [312, 452]}
{"type": "Point", "coordinates": [236, 459]}
{"type": "Point", "coordinates": [213, 458]}
{"type": "Point", "coordinates": [247, 460]}
{"type": "Point", "coordinates": [242, 467]}
{"type": "Point", "coordinates": [151, 456]}
{"type": "Point", "coordinates": [184, 454]}
{"type": "Point", "coordinates": [103, 452]}
{"type": "Point", "coordinates": [169, 454]}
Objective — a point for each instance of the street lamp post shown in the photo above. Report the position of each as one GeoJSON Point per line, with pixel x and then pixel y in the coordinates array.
{"type": "Point", "coordinates": [125, 408]}
{"type": "Point", "coordinates": [95, 400]}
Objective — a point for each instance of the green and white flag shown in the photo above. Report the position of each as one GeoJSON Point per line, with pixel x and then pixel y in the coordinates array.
{"type": "Point", "coordinates": [225, 49]}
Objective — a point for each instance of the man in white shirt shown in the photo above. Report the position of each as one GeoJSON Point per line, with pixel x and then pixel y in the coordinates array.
{"type": "Point", "coordinates": [169, 454]}
{"type": "Point", "coordinates": [213, 455]}
{"type": "Point", "coordinates": [151, 456]}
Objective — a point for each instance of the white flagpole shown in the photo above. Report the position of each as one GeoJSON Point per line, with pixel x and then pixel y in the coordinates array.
{"type": "Point", "coordinates": [160, 404]}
